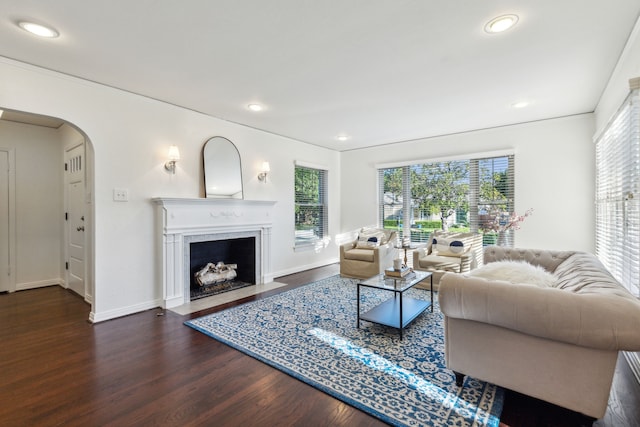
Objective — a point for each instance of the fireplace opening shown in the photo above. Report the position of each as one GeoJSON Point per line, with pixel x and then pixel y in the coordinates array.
{"type": "Point", "coordinates": [225, 255]}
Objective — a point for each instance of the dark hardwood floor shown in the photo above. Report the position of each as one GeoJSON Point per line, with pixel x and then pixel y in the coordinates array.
{"type": "Point", "coordinates": [150, 369]}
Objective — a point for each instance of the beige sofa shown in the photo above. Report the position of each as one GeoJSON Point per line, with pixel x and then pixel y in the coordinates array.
{"type": "Point", "coordinates": [362, 258]}
{"type": "Point", "coordinates": [429, 259]}
{"type": "Point", "coordinates": [557, 343]}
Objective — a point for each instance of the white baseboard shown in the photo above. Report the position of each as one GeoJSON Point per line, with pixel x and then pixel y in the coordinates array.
{"type": "Point", "coordinates": [96, 317]}
{"type": "Point", "coordinates": [39, 284]}
{"type": "Point", "coordinates": [300, 268]}
{"type": "Point", "coordinates": [633, 359]}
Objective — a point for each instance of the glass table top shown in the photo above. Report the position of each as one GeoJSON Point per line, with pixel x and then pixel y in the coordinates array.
{"type": "Point", "coordinates": [401, 284]}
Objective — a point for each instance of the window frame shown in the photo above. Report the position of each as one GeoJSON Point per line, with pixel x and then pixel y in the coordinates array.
{"type": "Point", "coordinates": [321, 234]}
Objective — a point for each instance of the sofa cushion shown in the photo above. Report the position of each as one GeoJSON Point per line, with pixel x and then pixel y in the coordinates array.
{"type": "Point", "coordinates": [516, 272]}
{"type": "Point", "coordinates": [359, 254]}
{"type": "Point", "coordinates": [443, 263]}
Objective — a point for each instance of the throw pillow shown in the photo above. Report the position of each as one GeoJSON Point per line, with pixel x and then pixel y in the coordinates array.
{"type": "Point", "coordinates": [449, 247]}
{"type": "Point", "coordinates": [365, 242]}
{"type": "Point", "coordinates": [365, 233]}
{"type": "Point", "coordinates": [516, 272]}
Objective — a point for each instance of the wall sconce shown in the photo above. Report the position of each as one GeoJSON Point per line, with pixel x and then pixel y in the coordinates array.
{"type": "Point", "coordinates": [174, 156]}
{"type": "Point", "coordinates": [262, 176]}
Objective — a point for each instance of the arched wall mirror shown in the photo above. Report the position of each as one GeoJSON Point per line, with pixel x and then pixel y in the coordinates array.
{"type": "Point", "coordinates": [222, 169]}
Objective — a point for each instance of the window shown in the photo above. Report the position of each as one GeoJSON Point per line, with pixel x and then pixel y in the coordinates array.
{"type": "Point", "coordinates": [617, 195]}
{"type": "Point", "coordinates": [455, 195]}
{"type": "Point", "coordinates": [310, 205]}
{"type": "Point", "coordinates": [493, 195]}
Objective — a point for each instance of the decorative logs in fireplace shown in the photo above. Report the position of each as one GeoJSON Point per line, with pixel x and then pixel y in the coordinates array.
{"type": "Point", "coordinates": [215, 273]}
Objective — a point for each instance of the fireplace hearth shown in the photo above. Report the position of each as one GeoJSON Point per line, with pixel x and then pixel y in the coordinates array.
{"type": "Point", "coordinates": [217, 288]}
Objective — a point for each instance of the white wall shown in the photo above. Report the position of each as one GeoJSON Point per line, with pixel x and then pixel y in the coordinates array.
{"type": "Point", "coordinates": [129, 136]}
{"type": "Point", "coordinates": [38, 168]}
{"type": "Point", "coordinates": [554, 175]}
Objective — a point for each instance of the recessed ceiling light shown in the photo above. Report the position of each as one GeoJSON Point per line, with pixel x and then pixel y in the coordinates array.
{"type": "Point", "coordinates": [38, 29]}
{"type": "Point", "coordinates": [520, 104]}
{"type": "Point", "coordinates": [342, 137]}
{"type": "Point", "coordinates": [255, 107]}
{"type": "Point", "coordinates": [501, 23]}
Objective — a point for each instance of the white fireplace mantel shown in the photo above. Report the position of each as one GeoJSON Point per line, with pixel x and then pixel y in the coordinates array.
{"type": "Point", "coordinates": [182, 221]}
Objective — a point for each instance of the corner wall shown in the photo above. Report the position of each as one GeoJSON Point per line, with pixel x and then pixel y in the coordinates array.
{"type": "Point", "coordinates": [617, 89]}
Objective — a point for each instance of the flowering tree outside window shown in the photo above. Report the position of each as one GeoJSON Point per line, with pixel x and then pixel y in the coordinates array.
{"type": "Point", "coordinates": [505, 221]}
{"type": "Point", "coordinates": [502, 224]}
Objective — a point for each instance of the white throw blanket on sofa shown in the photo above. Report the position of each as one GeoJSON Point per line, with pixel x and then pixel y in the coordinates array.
{"type": "Point", "coordinates": [516, 272]}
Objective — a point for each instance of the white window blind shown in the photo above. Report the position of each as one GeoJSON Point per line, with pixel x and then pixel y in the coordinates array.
{"type": "Point", "coordinates": [493, 194]}
{"type": "Point", "coordinates": [460, 195]}
{"type": "Point", "coordinates": [311, 217]}
{"type": "Point", "coordinates": [392, 188]}
{"type": "Point", "coordinates": [617, 195]}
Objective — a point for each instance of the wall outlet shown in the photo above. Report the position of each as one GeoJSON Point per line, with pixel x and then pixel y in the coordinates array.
{"type": "Point", "coordinates": [120, 195]}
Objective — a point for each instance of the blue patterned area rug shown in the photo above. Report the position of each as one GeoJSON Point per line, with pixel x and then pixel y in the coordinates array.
{"type": "Point", "coordinates": [310, 333]}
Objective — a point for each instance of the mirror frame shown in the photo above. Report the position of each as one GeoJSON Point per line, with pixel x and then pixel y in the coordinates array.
{"type": "Point", "coordinates": [207, 164]}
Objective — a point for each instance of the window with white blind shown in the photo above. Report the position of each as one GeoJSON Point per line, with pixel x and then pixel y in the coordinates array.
{"type": "Point", "coordinates": [617, 195]}
{"type": "Point", "coordinates": [456, 195]}
{"type": "Point", "coordinates": [310, 205]}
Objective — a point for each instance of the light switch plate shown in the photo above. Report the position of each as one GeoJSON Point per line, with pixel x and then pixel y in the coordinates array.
{"type": "Point", "coordinates": [120, 195]}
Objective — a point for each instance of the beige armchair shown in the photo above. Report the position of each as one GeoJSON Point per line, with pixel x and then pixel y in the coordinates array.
{"type": "Point", "coordinates": [370, 254]}
{"type": "Point", "coordinates": [453, 252]}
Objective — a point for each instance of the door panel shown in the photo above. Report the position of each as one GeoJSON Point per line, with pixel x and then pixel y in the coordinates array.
{"type": "Point", "coordinates": [74, 159]}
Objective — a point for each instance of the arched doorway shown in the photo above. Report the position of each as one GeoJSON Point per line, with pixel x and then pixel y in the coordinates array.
{"type": "Point", "coordinates": [50, 170]}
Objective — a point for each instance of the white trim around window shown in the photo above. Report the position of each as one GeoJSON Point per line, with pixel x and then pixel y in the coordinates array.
{"type": "Point", "coordinates": [483, 155]}
{"type": "Point", "coordinates": [310, 165]}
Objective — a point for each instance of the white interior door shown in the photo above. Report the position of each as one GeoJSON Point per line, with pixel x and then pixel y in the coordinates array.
{"type": "Point", "coordinates": [5, 260]}
{"type": "Point", "coordinates": [75, 223]}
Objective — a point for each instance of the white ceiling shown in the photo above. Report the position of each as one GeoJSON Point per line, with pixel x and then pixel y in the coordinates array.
{"type": "Point", "coordinates": [380, 71]}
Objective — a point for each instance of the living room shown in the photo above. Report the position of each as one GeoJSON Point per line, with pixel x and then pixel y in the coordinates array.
{"type": "Point", "coordinates": [128, 136]}
{"type": "Point", "coordinates": [129, 149]}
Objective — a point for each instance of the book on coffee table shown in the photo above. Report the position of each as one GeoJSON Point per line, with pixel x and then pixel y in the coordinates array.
{"type": "Point", "coordinates": [392, 272]}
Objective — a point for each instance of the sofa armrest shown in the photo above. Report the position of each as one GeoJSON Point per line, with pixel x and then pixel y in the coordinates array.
{"type": "Point", "coordinates": [346, 247]}
{"type": "Point", "coordinates": [466, 261]}
{"type": "Point", "coordinates": [417, 254]}
{"type": "Point", "coordinates": [599, 321]}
